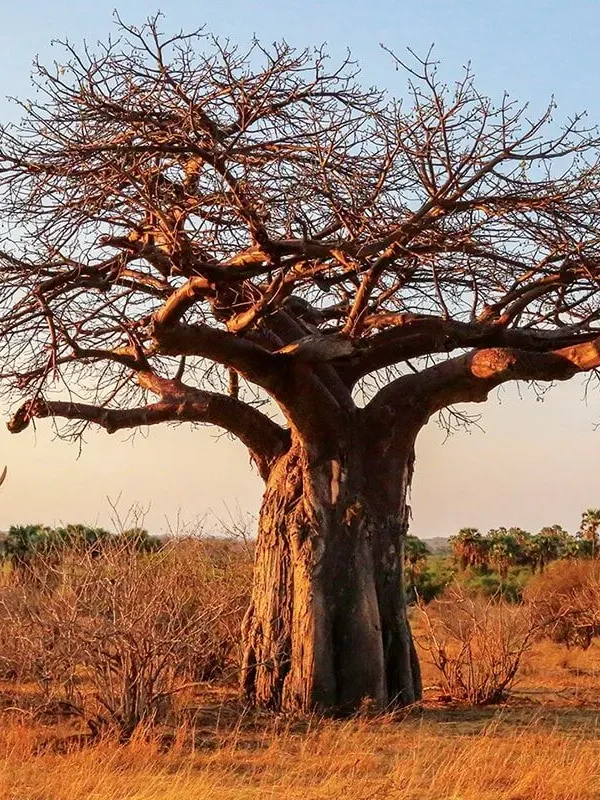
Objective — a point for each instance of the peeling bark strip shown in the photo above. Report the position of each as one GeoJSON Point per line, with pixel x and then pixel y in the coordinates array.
{"type": "Point", "coordinates": [327, 626]}
{"type": "Point", "coordinates": [336, 477]}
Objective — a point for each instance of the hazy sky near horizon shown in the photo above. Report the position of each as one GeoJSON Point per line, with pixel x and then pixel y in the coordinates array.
{"type": "Point", "coordinates": [534, 463]}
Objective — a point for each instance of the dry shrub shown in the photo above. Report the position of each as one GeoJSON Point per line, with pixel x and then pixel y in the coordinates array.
{"type": "Point", "coordinates": [475, 644]}
{"type": "Point", "coordinates": [566, 601]}
{"type": "Point", "coordinates": [115, 635]}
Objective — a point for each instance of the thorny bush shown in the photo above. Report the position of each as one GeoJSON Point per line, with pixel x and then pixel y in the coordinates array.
{"type": "Point", "coordinates": [476, 644]}
{"type": "Point", "coordinates": [566, 601]}
{"type": "Point", "coordinates": [114, 636]}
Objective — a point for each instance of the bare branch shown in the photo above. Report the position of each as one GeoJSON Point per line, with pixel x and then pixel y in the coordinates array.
{"type": "Point", "coordinates": [264, 438]}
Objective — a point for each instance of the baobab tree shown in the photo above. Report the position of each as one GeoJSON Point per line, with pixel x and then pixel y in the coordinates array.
{"type": "Point", "coordinates": [249, 239]}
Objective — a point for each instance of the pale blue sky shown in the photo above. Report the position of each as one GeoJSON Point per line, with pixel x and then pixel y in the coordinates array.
{"type": "Point", "coordinates": [536, 463]}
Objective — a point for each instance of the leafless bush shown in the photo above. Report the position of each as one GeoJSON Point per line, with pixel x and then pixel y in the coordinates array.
{"type": "Point", "coordinates": [566, 601]}
{"type": "Point", "coordinates": [476, 644]}
{"type": "Point", "coordinates": [116, 635]}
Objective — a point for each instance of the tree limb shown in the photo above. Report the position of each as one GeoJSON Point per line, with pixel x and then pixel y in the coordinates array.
{"type": "Point", "coordinates": [471, 377]}
{"type": "Point", "coordinates": [265, 440]}
{"type": "Point", "coordinates": [412, 336]}
{"type": "Point", "coordinates": [249, 359]}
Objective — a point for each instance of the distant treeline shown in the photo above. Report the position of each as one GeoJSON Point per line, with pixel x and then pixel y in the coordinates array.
{"type": "Point", "coordinates": [22, 542]}
{"type": "Point", "coordinates": [499, 561]}
{"type": "Point", "coordinates": [502, 548]}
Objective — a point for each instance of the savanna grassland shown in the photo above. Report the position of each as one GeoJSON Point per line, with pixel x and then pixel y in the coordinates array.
{"type": "Point", "coordinates": [542, 744]}
{"type": "Point", "coordinates": [118, 662]}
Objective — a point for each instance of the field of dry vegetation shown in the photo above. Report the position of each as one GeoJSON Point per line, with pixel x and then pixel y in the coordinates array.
{"type": "Point", "coordinates": [117, 680]}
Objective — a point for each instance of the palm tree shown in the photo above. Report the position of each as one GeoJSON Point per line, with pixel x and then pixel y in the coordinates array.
{"type": "Point", "coordinates": [469, 548]}
{"type": "Point", "coordinates": [415, 556]}
{"type": "Point", "coordinates": [550, 544]}
{"type": "Point", "coordinates": [589, 528]}
{"type": "Point", "coordinates": [505, 548]}
{"type": "Point", "coordinates": [521, 544]}
{"type": "Point", "coordinates": [23, 542]}
{"type": "Point", "coordinates": [415, 550]}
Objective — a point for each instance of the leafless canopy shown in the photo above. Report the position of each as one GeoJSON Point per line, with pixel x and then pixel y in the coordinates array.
{"type": "Point", "coordinates": [214, 227]}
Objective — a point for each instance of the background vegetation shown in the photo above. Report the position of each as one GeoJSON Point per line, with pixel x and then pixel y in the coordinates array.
{"type": "Point", "coordinates": [119, 656]}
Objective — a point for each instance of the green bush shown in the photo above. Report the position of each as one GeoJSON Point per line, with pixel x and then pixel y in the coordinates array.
{"type": "Point", "coordinates": [429, 582]}
{"type": "Point", "coordinates": [488, 583]}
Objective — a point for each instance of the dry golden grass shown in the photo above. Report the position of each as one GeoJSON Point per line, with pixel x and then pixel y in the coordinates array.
{"type": "Point", "coordinates": [431, 754]}
{"type": "Point", "coordinates": [542, 745]}
{"type": "Point", "coordinates": [553, 674]}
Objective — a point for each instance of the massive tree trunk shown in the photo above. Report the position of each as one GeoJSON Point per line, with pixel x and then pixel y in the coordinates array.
{"type": "Point", "coordinates": [327, 627]}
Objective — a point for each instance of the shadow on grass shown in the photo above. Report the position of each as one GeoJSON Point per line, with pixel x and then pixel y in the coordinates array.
{"type": "Point", "coordinates": [213, 723]}
{"type": "Point", "coordinates": [511, 717]}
